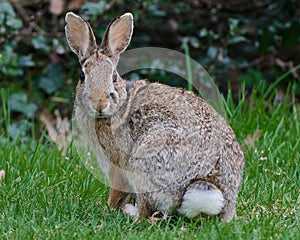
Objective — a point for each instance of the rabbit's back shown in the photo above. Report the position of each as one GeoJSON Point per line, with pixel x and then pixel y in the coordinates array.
{"type": "Point", "coordinates": [178, 138]}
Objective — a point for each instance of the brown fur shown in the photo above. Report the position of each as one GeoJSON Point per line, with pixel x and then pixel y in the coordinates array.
{"type": "Point", "coordinates": [150, 139]}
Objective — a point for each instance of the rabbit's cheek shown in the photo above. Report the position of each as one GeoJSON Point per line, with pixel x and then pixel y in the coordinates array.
{"type": "Point", "coordinates": [114, 97]}
{"type": "Point", "coordinates": [111, 104]}
{"type": "Point", "coordinates": [122, 94]}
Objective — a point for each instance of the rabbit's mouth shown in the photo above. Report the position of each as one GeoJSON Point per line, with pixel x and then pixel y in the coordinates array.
{"type": "Point", "coordinates": [100, 116]}
{"type": "Point", "coordinates": [100, 110]}
{"type": "Point", "coordinates": [107, 111]}
{"type": "Point", "coordinates": [96, 113]}
{"type": "Point", "coordinates": [92, 112]}
{"type": "Point", "coordinates": [86, 107]}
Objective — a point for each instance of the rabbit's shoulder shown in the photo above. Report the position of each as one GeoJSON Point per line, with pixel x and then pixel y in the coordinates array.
{"type": "Point", "coordinates": [165, 103]}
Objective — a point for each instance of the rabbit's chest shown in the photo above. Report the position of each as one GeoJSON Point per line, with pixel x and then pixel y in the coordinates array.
{"type": "Point", "coordinates": [87, 136]}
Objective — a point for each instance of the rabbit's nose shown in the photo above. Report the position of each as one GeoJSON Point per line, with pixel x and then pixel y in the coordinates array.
{"type": "Point", "coordinates": [101, 102]}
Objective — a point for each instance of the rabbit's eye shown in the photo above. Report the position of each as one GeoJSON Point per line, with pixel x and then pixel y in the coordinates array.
{"type": "Point", "coordinates": [115, 76]}
{"type": "Point", "coordinates": [82, 76]}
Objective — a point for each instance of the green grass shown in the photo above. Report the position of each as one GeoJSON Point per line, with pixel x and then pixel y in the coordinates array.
{"type": "Point", "coordinates": [47, 196]}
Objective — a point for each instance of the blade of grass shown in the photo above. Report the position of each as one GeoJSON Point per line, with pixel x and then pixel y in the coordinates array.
{"type": "Point", "coordinates": [278, 80]}
{"type": "Point", "coordinates": [6, 110]}
{"type": "Point", "coordinates": [188, 64]}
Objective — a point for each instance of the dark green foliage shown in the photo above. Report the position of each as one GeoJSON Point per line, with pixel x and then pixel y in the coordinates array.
{"type": "Point", "coordinates": [53, 79]}
{"type": "Point", "coordinates": [237, 42]}
{"type": "Point", "coordinates": [19, 103]}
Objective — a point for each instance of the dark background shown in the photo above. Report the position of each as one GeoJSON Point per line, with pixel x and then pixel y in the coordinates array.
{"type": "Point", "coordinates": [255, 44]}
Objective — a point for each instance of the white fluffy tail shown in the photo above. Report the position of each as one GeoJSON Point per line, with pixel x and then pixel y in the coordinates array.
{"type": "Point", "coordinates": [202, 197]}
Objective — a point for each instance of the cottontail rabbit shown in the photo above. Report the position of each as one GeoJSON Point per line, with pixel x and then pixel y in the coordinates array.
{"type": "Point", "coordinates": [165, 145]}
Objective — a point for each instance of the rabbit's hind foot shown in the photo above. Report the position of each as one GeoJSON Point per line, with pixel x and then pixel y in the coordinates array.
{"type": "Point", "coordinates": [202, 197]}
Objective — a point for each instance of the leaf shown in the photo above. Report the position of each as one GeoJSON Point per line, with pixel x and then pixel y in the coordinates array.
{"type": "Point", "coordinates": [20, 130]}
{"type": "Point", "coordinates": [7, 8]}
{"type": "Point", "coordinates": [212, 52]}
{"type": "Point", "coordinates": [42, 43]}
{"type": "Point", "coordinates": [203, 32]}
{"type": "Point", "coordinates": [26, 61]}
{"type": "Point", "coordinates": [53, 80]}
{"type": "Point", "coordinates": [91, 10]}
{"type": "Point", "coordinates": [8, 14]}
{"type": "Point", "coordinates": [237, 39]}
{"type": "Point", "coordinates": [194, 42]}
{"type": "Point", "coordinates": [9, 62]}
{"type": "Point", "coordinates": [19, 103]}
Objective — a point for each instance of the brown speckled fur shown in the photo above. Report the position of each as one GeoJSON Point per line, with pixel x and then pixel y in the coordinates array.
{"type": "Point", "coordinates": [167, 133]}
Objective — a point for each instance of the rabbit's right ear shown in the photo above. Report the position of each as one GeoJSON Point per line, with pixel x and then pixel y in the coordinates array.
{"type": "Point", "coordinates": [117, 35]}
{"type": "Point", "coordinates": [80, 36]}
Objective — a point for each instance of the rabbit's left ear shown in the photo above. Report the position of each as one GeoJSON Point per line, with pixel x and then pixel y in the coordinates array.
{"type": "Point", "coordinates": [117, 35]}
{"type": "Point", "coordinates": [80, 36]}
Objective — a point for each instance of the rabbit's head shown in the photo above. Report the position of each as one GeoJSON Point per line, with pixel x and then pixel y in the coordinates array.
{"type": "Point", "coordinates": [100, 91]}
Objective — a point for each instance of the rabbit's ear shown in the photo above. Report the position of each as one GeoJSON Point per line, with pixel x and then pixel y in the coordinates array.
{"type": "Point", "coordinates": [80, 36]}
{"type": "Point", "coordinates": [117, 35]}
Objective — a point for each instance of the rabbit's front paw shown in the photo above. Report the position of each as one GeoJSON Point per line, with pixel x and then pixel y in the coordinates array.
{"type": "Point", "coordinates": [131, 210]}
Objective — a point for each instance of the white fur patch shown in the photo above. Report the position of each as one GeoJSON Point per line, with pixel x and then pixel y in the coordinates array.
{"type": "Point", "coordinates": [131, 210]}
{"type": "Point", "coordinates": [106, 110]}
{"type": "Point", "coordinates": [197, 201]}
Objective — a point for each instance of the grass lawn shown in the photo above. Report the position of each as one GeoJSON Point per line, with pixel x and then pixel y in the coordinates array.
{"type": "Point", "coordinates": [47, 196]}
